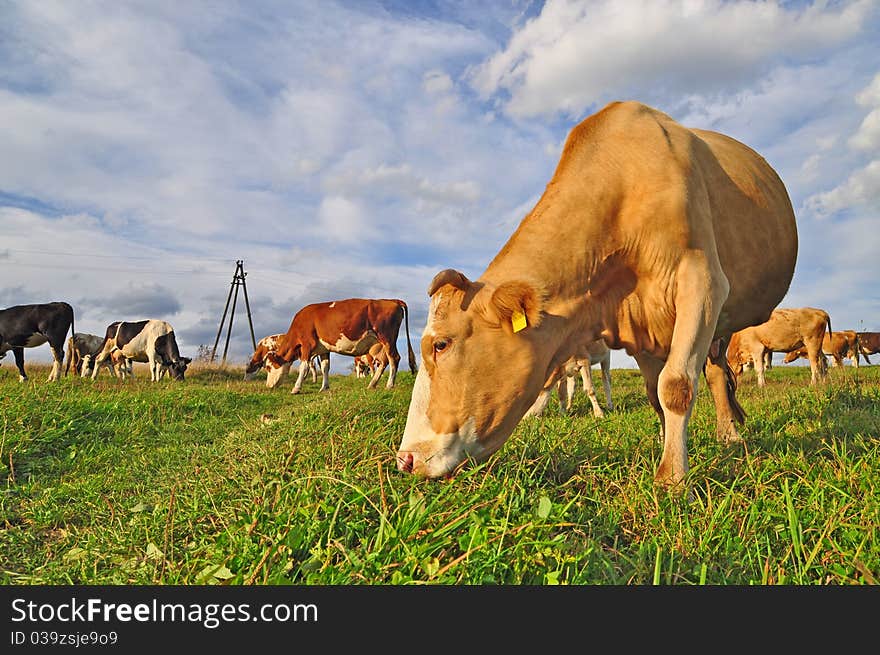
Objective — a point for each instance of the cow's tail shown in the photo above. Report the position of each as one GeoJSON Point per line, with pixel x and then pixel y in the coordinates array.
{"type": "Point", "coordinates": [412, 356]}
{"type": "Point", "coordinates": [70, 344]}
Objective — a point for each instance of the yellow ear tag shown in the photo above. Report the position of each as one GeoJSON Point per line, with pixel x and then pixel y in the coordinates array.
{"type": "Point", "coordinates": [518, 321]}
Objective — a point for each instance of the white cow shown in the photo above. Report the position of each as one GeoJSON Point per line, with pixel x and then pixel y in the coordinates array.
{"type": "Point", "coordinates": [565, 379]}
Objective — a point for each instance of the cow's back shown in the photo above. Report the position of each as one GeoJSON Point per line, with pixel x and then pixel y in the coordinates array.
{"type": "Point", "coordinates": [328, 320]}
{"type": "Point", "coordinates": [138, 338]}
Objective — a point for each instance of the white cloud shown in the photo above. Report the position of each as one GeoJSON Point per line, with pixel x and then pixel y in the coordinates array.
{"type": "Point", "coordinates": [576, 54]}
{"type": "Point", "coordinates": [868, 135]}
{"type": "Point", "coordinates": [436, 82]}
{"type": "Point", "coordinates": [861, 189]}
{"type": "Point", "coordinates": [342, 219]}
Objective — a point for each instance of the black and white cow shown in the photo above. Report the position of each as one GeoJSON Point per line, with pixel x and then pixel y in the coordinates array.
{"type": "Point", "coordinates": [28, 326]}
{"type": "Point", "coordinates": [150, 341]}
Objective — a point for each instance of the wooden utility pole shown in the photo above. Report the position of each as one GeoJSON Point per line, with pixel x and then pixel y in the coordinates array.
{"type": "Point", "coordinates": [237, 281]}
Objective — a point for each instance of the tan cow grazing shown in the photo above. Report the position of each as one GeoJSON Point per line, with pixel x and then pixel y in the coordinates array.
{"type": "Point", "coordinates": [838, 345]}
{"type": "Point", "coordinates": [784, 331]}
{"type": "Point", "coordinates": [347, 327]}
{"type": "Point", "coordinates": [650, 235]}
{"type": "Point", "coordinates": [869, 344]}
{"type": "Point", "coordinates": [768, 362]}
{"type": "Point", "coordinates": [564, 378]}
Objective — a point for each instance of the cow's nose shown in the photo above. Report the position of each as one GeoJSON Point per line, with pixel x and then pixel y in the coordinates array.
{"type": "Point", "coordinates": [405, 462]}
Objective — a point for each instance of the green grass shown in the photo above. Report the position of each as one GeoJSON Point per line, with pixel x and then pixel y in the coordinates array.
{"type": "Point", "coordinates": [184, 483]}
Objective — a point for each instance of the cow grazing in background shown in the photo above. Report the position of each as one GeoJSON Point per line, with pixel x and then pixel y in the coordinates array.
{"type": "Point", "coordinates": [768, 362]}
{"type": "Point", "coordinates": [869, 344]}
{"type": "Point", "coordinates": [274, 375]}
{"type": "Point", "coordinates": [659, 239]}
{"type": "Point", "coordinates": [786, 330]}
{"type": "Point", "coordinates": [29, 326]}
{"type": "Point", "coordinates": [265, 346]}
{"type": "Point", "coordinates": [347, 327]}
{"type": "Point", "coordinates": [151, 341]}
{"type": "Point", "coordinates": [82, 348]}
{"type": "Point", "coordinates": [838, 345]}
{"type": "Point", "coordinates": [366, 365]}
{"type": "Point", "coordinates": [565, 379]}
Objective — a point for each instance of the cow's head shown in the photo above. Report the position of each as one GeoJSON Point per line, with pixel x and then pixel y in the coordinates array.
{"type": "Point", "coordinates": [177, 367]}
{"type": "Point", "coordinates": [257, 362]}
{"type": "Point", "coordinates": [482, 368]}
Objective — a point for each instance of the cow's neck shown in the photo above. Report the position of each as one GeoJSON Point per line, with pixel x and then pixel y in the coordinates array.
{"type": "Point", "coordinates": [570, 259]}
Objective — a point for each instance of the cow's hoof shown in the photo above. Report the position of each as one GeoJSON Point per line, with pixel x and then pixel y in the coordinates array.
{"type": "Point", "coordinates": [294, 391]}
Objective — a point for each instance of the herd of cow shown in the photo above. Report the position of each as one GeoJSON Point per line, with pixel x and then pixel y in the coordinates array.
{"type": "Point", "coordinates": [151, 341]}
{"type": "Point", "coordinates": [365, 329]}
{"type": "Point", "coordinates": [650, 237]}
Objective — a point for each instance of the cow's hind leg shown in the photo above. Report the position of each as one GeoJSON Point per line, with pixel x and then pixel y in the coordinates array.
{"type": "Point", "coordinates": [650, 368]}
{"type": "Point", "coordinates": [325, 372]}
{"type": "Point", "coordinates": [758, 360]}
{"type": "Point", "coordinates": [605, 365]}
{"type": "Point", "coordinates": [722, 384]}
{"type": "Point", "coordinates": [19, 363]}
{"type": "Point", "coordinates": [58, 362]}
{"type": "Point", "coordinates": [818, 363]}
{"type": "Point", "coordinates": [565, 390]}
{"type": "Point", "coordinates": [587, 376]}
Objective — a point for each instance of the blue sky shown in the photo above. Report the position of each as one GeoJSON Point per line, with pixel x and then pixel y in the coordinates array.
{"type": "Point", "coordinates": [348, 149]}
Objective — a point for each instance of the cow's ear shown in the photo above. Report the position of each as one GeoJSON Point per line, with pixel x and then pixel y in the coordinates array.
{"type": "Point", "coordinates": [518, 305]}
{"type": "Point", "coordinates": [186, 360]}
{"type": "Point", "coordinates": [449, 276]}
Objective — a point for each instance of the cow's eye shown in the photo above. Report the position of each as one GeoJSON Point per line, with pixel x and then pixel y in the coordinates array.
{"type": "Point", "coordinates": [440, 345]}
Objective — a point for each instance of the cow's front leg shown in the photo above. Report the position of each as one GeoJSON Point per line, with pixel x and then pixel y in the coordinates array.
{"type": "Point", "coordinates": [541, 402]}
{"type": "Point", "coordinates": [701, 290]}
{"type": "Point", "coordinates": [303, 367]}
{"type": "Point", "coordinates": [154, 364]}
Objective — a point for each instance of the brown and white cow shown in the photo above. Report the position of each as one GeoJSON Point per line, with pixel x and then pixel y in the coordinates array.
{"type": "Point", "coordinates": [660, 239]}
{"type": "Point", "coordinates": [29, 326]}
{"type": "Point", "coordinates": [786, 330]}
{"type": "Point", "coordinates": [258, 360]}
{"type": "Point", "coordinates": [869, 344]}
{"type": "Point", "coordinates": [151, 341]}
{"type": "Point", "coordinates": [565, 379]}
{"type": "Point", "coordinates": [348, 327]}
{"type": "Point", "coordinates": [366, 365]}
{"type": "Point", "coordinates": [839, 345]}
{"type": "Point", "coordinates": [274, 375]}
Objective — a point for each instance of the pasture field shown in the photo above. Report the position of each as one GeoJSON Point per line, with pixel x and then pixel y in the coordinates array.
{"type": "Point", "coordinates": [220, 481]}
